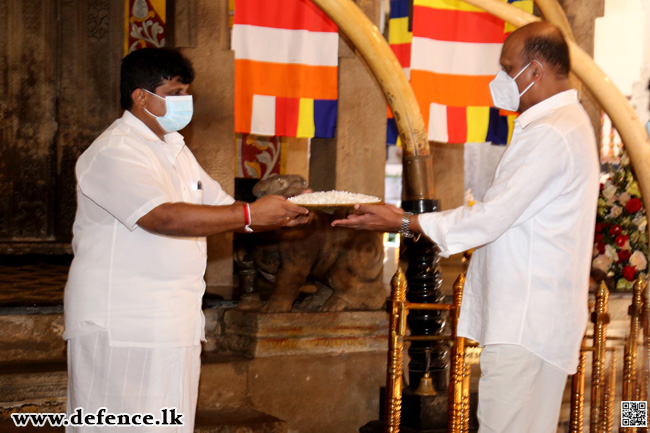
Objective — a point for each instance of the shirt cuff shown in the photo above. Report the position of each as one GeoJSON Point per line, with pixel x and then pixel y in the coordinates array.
{"type": "Point", "coordinates": [434, 227]}
{"type": "Point", "coordinates": [132, 220]}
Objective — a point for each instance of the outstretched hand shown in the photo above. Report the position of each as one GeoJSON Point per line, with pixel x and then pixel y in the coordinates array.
{"type": "Point", "coordinates": [379, 218]}
{"type": "Point", "coordinates": [276, 211]}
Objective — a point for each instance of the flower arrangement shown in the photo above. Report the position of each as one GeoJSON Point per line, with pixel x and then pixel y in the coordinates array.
{"type": "Point", "coordinates": [621, 241]}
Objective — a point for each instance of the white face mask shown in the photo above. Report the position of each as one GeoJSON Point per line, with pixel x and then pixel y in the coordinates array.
{"type": "Point", "coordinates": [179, 112]}
{"type": "Point", "coordinates": [505, 93]}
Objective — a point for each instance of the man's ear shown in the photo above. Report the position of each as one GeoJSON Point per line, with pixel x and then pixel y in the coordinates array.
{"type": "Point", "coordinates": [139, 98]}
{"type": "Point", "coordinates": [538, 70]}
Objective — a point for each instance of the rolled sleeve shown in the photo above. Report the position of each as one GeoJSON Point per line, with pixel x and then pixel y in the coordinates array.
{"type": "Point", "coordinates": [123, 181]}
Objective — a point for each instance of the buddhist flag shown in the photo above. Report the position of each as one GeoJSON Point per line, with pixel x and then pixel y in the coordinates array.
{"type": "Point", "coordinates": [399, 39]}
{"type": "Point", "coordinates": [286, 61]}
{"type": "Point", "coordinates": [454, 55]}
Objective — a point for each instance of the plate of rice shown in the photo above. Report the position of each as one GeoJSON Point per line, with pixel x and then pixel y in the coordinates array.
{"type": "Point", "coordinates": [330, 200]}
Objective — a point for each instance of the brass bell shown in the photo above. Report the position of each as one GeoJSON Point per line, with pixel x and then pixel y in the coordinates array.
{"type": "Point", "coordinates": [426, 386]}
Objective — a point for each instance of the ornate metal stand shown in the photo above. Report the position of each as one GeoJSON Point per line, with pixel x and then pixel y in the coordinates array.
{"type": "Point", "coordinates": [458, 391]}
{"type": "Point", "coordinates": [603, 380]}
{"type": "Point", "coordinates": [423, 277]}
{"type": "Point", "coordinates": [600, 318]}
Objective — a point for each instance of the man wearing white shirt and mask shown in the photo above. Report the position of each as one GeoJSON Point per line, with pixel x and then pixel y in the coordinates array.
{"type": "Point", "coordinates": [525, 297]}
{"type": "Point", "coordinates": [132, 306]}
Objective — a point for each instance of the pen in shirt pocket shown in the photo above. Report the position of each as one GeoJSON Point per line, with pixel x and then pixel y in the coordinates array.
{"type": "Point", "coordinates": [199, 185]}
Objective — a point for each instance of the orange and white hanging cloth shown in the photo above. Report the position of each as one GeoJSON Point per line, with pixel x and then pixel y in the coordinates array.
{"type": "Point", "coordinates": [286, 66]}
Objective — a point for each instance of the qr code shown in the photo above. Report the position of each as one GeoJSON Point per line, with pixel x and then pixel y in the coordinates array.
{"type": "Point", "coordinates": [634, 414]}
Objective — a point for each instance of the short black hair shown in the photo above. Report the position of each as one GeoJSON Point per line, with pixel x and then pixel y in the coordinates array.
{"type": "Point", "coordinates": [147, 68]}
{"type": "Point", "coordinates": [551, 47]}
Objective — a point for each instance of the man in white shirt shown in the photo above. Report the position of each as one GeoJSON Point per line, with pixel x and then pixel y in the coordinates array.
{"type": "Point", "coordinates": [525, 297]}
{"type": "Point", "coordinates": [132, 307]}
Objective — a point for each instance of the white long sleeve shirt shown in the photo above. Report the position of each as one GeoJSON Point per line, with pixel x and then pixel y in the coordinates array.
{"type": "Point", "coordinates": [527, 282]}
{"type": "Point", "coordinates": [144, 288]}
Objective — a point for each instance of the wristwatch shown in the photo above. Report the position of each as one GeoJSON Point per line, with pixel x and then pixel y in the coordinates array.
{"type": "Point", "coordinates": [406, 222]}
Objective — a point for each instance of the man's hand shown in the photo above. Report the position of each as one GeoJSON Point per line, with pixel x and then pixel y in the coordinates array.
{"type": "Point", "coordinates": [379, 218]}
{"type": "Point", "coordinates": [277, 211]}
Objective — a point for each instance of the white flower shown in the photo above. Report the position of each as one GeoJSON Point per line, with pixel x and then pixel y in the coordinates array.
{"type": "Point", "coordinates": [640, 221]}
{"type": "Point", "coordinates": [602, 262]}
{"type": "Point", "coordinates": [610, 252]}
{"type": "Point", "coordinates": [638, 260]}
{"type": "Point", "coordinates": [615, 212]}
{"type": "Point", "coordinates": [609, 191]}
{"type": "Point", "coordinates": [624, 198]}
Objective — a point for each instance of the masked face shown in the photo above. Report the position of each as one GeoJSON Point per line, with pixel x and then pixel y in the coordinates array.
{"type": "Point", "coordinates": [179, 112]}
{"type": "Point", "coordinates": [504, 90]}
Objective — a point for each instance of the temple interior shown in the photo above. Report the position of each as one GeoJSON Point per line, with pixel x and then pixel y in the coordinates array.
{"type": "Point", "coordinates": [319, 367]}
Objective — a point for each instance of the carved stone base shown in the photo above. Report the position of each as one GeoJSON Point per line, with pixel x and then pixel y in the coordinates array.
{"type": "Point", "coordinates": [255, 334]}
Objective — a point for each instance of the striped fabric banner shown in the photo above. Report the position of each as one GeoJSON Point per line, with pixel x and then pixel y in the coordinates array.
{"type": "Point", "coordinates": [455, 54]}
{"type": "Point", "coordinates": [286, 61]}
{"type": "Point", "coordinates": [399, 39]}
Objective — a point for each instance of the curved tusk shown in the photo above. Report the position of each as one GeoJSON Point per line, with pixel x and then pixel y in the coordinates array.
{"type": "Point", "coordinates": [554, 13]}
{"type": "Point", "coordinates": [374, 49]}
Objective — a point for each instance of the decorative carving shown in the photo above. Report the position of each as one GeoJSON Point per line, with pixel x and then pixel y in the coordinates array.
{"type": "Point", "coordinates": [147, 26]}
{"type": "Point", "coordinates": [345, 266]}
{"type": "Point", "coordinates": [98, 21]}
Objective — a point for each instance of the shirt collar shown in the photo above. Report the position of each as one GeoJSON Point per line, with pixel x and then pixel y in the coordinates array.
{"type": "Point", "coordinates": [541, 109]}
{"type": "Point", "coordinates": [174, 140]}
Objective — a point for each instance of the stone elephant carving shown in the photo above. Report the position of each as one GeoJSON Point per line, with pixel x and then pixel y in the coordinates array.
{"type": "Point", "coordinates": [345, 266]}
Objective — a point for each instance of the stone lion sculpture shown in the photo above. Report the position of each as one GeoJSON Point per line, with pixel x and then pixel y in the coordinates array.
{"type": "Point", "coordinates": [344, 266]}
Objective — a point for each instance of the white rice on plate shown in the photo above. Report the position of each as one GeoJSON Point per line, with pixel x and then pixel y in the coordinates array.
{"type": "Point", "coordinates": [333, 197]}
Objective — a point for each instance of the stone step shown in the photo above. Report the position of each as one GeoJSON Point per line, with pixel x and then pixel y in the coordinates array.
{"type": "Point", "coordinates": [32, 387]}
{"type": "Point", "coordinates": [34, 333]}
{"type": "Point", "coordinates": [238, 420]}
{"type": "Point", "coordinates": [42, 386]}
{"type": "Point", "coordinates": [31, 334]}
{"type": "Point", "coordinates": [232, 420]}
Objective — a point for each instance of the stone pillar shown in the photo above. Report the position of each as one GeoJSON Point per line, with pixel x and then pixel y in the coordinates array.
{"type": "Point", "coordinates": [582, 15]}
{"type": "Point", "coordinates": [201, 31]}
{"type": "Point", "coordinates": [355, 159]}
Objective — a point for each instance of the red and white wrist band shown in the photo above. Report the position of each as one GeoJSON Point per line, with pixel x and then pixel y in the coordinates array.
{"type": "Point", "coordinates": [247, 218]}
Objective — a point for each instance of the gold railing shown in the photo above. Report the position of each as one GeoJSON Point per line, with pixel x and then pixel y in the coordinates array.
{"type": "Point", "coordinates": [603, 374]}
{"type": "Point", "coordinates": [459, 382]}
{"type": "Point", "coordinates": [636, 372]}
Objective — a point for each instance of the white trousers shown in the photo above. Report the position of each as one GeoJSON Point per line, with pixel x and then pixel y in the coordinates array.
{"type": "Point", "coordinates": [518, 391]}
{"type": "Point", "coordinates": [132, 380]}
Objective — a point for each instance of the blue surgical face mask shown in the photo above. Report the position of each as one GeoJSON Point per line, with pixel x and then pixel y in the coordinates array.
{"type": "Point", "coordinates": [179, 112]}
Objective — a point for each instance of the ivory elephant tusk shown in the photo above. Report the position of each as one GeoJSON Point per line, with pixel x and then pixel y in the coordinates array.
{"type": "Point", "coordinates": [373, 48]}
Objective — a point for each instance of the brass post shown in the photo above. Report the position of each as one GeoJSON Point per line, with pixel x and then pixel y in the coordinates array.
{"type": "Point", "coordinates": [457, 363]}
{"type": "Point", "coordinates": [610, 392]}
{"type": "Point", "coordinates": [600, 318]}
{"type": "Point", "coordinates": [578, 392]}
{"type": "Point", "coordinates": [393, 405]}
{"type": "Point", "coordinates": [644, 374]}
{"type": "Point", "coordinates": [465, 407]}
{"type": "Point", "coordinates": [630, 363]}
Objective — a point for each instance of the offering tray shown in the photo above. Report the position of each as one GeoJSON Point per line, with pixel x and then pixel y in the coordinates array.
{"type": "Point", "coordinates": [333, 200]}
